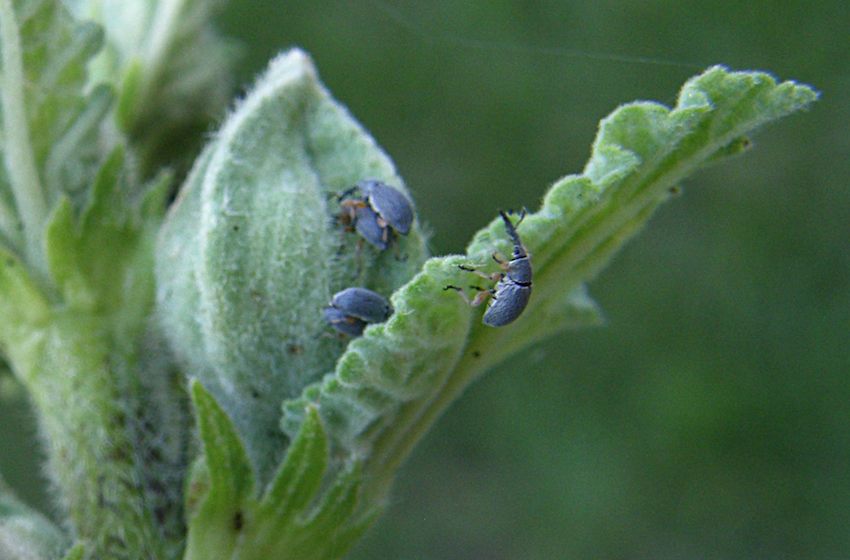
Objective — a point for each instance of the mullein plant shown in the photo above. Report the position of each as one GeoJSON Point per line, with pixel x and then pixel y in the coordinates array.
{"type": "Point", "coordinates": [192, 402]}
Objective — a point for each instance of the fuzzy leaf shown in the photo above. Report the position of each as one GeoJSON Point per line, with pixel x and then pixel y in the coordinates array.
{"type": "Point", "coordinates": [351, 429]}
{"type": "Point", "coordinates": [392, 384]}
{"type": "Point", "coordinates": [301, 472]}
{"type": "Point", "coordinates": [306, 513]}
{"type": "Point", "coordinates": [50, 127]}
{"type": "Point", "coordinates": [62, 119]}
{"type": "Point", "coordinates": [162, 56]}
{"type": "Point", "coordinates": [252, 250]}
{"type": "Point", "coordinates": [23, 308]}
{"type": "Point", "coordinates": [102, 261]}
{"type": "Point", "coordinates": [215, 526]}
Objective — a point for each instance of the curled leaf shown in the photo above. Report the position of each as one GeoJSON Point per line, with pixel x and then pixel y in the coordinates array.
{"type": "Point", "coordinates": [392, 384]}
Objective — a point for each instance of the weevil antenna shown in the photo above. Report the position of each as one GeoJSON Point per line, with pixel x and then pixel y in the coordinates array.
{"type": "Point", "coordinates": [519, 250]}
{"type": "Point", "coordinates": [345, 194]}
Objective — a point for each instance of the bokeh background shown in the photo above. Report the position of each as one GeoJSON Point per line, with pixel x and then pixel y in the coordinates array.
{"type": "Point", "coordinates": [709, 418]}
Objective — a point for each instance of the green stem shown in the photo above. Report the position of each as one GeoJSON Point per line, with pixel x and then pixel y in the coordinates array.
{"type": "Point", "coordinates": [20, 160]}
{"type": "Point", "coordinates": [87, 425]}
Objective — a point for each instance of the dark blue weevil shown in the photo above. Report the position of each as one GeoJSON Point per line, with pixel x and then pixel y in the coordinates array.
{"type": "Point", "coordinates": [353, 308]}
{"type": "Point", "coordinates": [379, 212]}
{"type": "Point", "coordinates": [368, 225]}
{"type": "Point", "coordinates": [513, 286]}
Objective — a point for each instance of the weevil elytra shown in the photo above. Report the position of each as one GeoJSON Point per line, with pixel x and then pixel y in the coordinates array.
{"type": "Point", "coordinates": [352, 309]}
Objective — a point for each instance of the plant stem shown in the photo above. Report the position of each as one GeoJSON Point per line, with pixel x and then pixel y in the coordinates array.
{"type": "Point", "coordinates": [87, 424]}
{"type": "Point", "coordinates": [20, 160]}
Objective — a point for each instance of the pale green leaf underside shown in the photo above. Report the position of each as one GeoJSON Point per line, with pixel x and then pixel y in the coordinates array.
{"type": "Point", "coordinates": [391, 384]}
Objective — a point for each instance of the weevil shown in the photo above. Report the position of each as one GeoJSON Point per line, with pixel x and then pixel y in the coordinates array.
{"type": "Point", "coordinates": [513, 285]}
{"type": "Point", "coordinates": [380, 212]}
{"type": "Point", "coordinates": [351, 309]}
{"type": "Point", "coordinates": [368, 225]}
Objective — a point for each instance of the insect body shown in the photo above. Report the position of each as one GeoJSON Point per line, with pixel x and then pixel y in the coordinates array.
{"type": "Point", "coordinates": [368, 225]}
{"type": "Point", "coordinates": [513, 286]}
{"type": "Point", "coordinates": [381, 211]}
{"type": "Point", "coordinates": [353, 308]}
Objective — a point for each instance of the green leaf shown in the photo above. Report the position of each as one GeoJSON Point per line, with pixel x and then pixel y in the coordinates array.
{"type": "Point", "coordinates": [306, 513]}
{"type": "Point", "coordinates": [394, 382]}
{"type": "Point", "coordinates": [162, 56]}
{"type": "Point", "coordinates": [77, 552]}
{"type": "Point", "coordinates": [102, 261]}
{"type": "Point", "coordinates": [350, 430]}
{"type": "Point", "coordinates": [300, 474]}
{"type": "Point", "coordinates": [51, 128]}
{"type": "Point", "coordinates": [230, 474]}
{"type": "Point", "coordinates": [252, 250]}
{"type": "Point", "coordinates": [24, 310]}
{"type": "Point", "coordinates": [215, 526]}
{"type": "Point", "coordinates": [334, 514]}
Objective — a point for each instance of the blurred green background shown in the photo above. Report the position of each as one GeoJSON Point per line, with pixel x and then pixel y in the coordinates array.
{"type": "Point", "coordinates": [710, 417]}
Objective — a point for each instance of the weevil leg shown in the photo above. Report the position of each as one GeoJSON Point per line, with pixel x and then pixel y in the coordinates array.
{"type": "Point", "coordinates": [482, 295]}
{"type": "Point", "coordinates": [344, 222]}
{"type": "Point", "coordinates": [358, 258]}
{"type": "Point", "coordinates": [345, 193]}
{"type": "Point", "coordinates": [460, 292]}
{"type": "Point", "coordinates": [385, 230]}
{"type": "Point", "coordinates": [351, 206]}
{"type": "Point", "coordinates": [495, 277]}
{"type": "Point", "coordinates": [501, 260]}
{"type": "Point", "coordinates": [399, 256]}
{"type": "Point", "coordinates": [347, 218]}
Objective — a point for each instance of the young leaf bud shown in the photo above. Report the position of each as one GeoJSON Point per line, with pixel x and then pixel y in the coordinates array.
{"type": "Point", "coordinates": [254, 247]}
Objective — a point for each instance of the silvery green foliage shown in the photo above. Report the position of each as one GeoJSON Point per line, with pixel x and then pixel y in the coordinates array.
{"type": "Point", "coordinates": [252, 250]}
{"type": "Point", "coordinates": [350, 430]}
{"type": "Point", "coordinates": [309, 511]}
{"type": "Point", "coordinates": [302, 432]}
{"type": "Point", "coordinates": [391, 385]}
{"type": "Point", "coordinates": [169, 66]}
{"type": "Point", "coordinates": [50, 127]}
{"type": "Point", "coordinates": [76, 292]}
